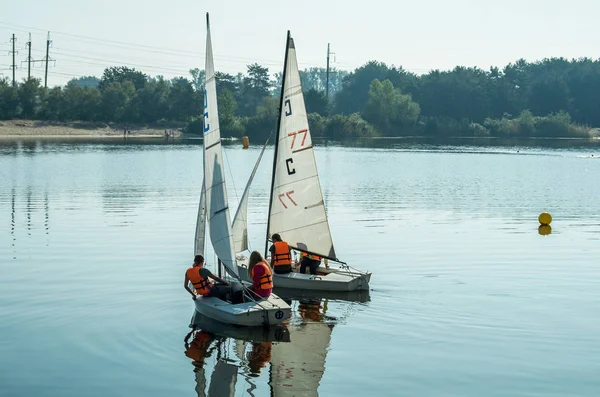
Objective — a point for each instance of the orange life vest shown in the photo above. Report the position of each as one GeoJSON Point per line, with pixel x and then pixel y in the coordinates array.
{"type": "Point", "coordinates": [282, 255]}
{"type": "Point", "coordinates": [266, 280]}
{"type": "Point", "coordinates": [311, 256]}
{"type": "Point", "coordinates": [201, 284]}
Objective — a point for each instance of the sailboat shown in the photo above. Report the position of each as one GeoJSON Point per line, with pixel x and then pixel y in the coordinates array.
{"type": "Point", "coordinates": [213, 212]}
{"type": "Point", "coordinates": [296, 208]}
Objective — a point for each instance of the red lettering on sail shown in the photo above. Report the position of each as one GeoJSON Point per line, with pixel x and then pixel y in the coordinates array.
{"type": "Point", "coordinates": [288, 195]}
{"type": "Point", "coordinates": [293, 134]}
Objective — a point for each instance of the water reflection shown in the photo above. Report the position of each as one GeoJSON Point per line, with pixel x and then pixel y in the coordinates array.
{"type": "Point", "coordinates": [24, 205]}
{"type": "Point", "coordinates": [288, 360]}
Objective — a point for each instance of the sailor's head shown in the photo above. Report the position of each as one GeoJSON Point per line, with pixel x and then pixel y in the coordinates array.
{"type": "Point", "coordinates": [198, 260]}
{"type": "Point", "coordinates": [276, 237]}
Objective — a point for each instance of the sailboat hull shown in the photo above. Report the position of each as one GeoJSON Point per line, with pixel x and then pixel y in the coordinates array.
{"type": "Point", "coordinates": [274, 333]}
{"type": "Point", "coordinates": [326, 280]}
{"type": "Point", "coordinates": [268, 311]}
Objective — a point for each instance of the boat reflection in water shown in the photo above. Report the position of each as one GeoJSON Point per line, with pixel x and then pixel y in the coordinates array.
{"type": "Point", "coordinates": [283, 360]}
{"type": "Point", "coordinates": [211, 336]}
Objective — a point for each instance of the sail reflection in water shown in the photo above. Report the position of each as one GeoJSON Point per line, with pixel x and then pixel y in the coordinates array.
{"type": "Point", "coordinates": [288, 360]}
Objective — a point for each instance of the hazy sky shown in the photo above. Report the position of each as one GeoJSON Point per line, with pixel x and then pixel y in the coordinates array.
{"type": "Point", "coordinates": [168, 37]}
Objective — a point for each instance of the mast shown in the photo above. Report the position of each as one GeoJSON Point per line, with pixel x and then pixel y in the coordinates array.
{"type": "Point", "coordinates": [287, 47]}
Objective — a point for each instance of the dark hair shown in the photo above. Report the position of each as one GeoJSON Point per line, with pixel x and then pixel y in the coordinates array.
{"type": "Point", "coordinates": [255, 257]}
{"type": "Point", "coordinates": [276, 237]}
{"type": "Point", "coordinates": [199, 259]}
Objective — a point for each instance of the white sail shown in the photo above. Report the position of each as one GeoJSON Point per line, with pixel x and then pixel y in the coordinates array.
{"type": "Point", "coordinates": [217, 210]}
{"type": "Point", "coordinates": [297, 209]}
{"type": "Point", "coordinates": [200, 224]}
{"type": "Point", "coordinates": [240, 220]}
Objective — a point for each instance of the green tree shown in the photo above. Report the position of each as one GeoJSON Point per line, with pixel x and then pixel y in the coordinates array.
{"type": "Point", "coordinates": [388, 109]}
{"type": "Point", "coordinates": [53, 107]}
{"type": "Point", "coordinates": [121, 74]}
{"type": "Point", "coordinates": [86, 81]}
{"type": "Point", "coordinates": [184, 102]}
{"type": "Point", "coordinates": [81, 103]}
{"type": "Point", "coordinates": [198, 77]}
{"type": "Point", "coordinates": [29, 97]}
{"type": "Point", "coordinates": [255, 87]}
{"type": "Point", "coordinates": [316, 102]}
{"type": "Point", "coordinates": [355, 90]}
{"type": "Point", "coordinates": [114, 101]}
{"type": "Point", "coordinates": [9, 100]}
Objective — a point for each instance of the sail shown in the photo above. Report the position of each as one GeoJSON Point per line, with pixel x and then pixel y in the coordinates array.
{"type": "Point", "coordinates": [217, 210]}
{"type": "Point", "coordinates": [240, 220]}
{"type": "Point", "coordinates": [200, 224]}
{"type": "Point", "coordinates": [297, 210]}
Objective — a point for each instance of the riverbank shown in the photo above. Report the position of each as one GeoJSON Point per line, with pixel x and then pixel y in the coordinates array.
{"type": "Point", "coordinates": [20, 128]}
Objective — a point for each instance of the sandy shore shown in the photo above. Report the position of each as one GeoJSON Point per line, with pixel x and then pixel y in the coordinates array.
{"type": "Point", "coordinates": [22, 128]}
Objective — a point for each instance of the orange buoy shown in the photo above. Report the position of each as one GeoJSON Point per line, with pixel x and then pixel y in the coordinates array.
{"type": "Point", "coordinates": [545, 219]}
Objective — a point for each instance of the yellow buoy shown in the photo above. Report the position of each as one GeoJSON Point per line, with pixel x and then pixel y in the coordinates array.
{"type": "Point", "coordinates": [245, 142]}
{"type": "Point", "coordinates": [544, 230]}
{"type": "Point", "coordinates": [545, 218]}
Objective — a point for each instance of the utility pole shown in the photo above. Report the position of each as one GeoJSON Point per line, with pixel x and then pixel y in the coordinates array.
{"type": "Point", "coordinates": [327, 78]}
{"type": "Point", "coordinates": [14, 65]}
{"type": "Point", "coordinates": [47, 58]}
{"type": "Point", "coordinates": [29, 58]}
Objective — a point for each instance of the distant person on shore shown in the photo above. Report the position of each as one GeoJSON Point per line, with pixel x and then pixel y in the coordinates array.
{"type": "Point", "coordinates": [281, 255]}
{"type": "Point", "coordinates": [261, 275]}
{"type": "Point", "coordinates": [200, 277]}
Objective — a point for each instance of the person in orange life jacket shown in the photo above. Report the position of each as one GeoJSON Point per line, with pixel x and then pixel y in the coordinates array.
{"type": "Point", "coordinates": [310, 260]}
{"type": "Point", "coordinates": [261, 275]}
{"type": "Point", "coordinates": [281, 255]}
{"type": "Point", "coordinates": [199, 277]}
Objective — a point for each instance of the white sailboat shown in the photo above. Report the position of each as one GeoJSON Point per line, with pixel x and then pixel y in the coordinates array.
{"type": "Point", "coordinates": [213, 212]}
{"type": "Point", "coordinates": [296, 207]}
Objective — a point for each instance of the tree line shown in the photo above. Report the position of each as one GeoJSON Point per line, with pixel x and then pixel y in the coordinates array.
{"type": "Point", "coordinates": [552, 97]}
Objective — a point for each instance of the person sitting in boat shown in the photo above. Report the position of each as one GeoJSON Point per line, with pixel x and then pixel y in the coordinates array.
{"type": "Point", "coordinates": [261, 275]}
{"type": "Point", "coordinates": [281, 255]}
{"type": "Point", "coordinates": [311, 261]}
{"type": "Point", "coordinates": [199, 276]}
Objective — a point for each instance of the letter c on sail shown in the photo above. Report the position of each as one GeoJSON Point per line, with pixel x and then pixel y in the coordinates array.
{"type": "Point", "coordinates": [288, 107]}
{"type": "Point", "coordinates": [287, 164]}
{"type": "Point", "coordinates": [206, 125]}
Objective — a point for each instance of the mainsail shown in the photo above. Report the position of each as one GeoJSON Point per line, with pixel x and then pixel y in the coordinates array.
{"type": "Point", "coordinates": [240, 220]}
{"type": "Point", "coordinates": [217, 210]}
{"type": "Point", "coordinates": [297, 210]}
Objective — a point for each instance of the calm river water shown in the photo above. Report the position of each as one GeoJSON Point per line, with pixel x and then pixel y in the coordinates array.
{"type": "Point", "coordinates": [467, 297]}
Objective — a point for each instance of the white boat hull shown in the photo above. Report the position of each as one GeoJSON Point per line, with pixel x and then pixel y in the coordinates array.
{"type": "Point", "coordinates": [268, 311]}
{"type": "Point", "coordinates": [327, 279]}
{"type": "Point", "coordinates": [274, 333]}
